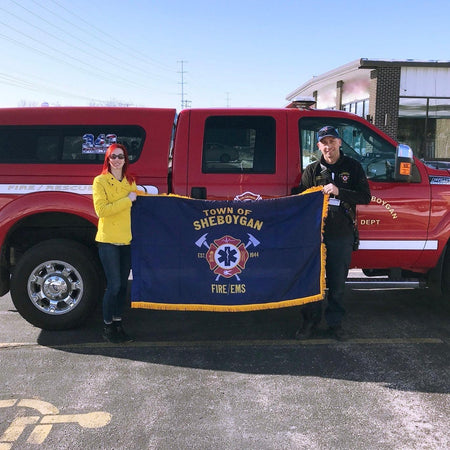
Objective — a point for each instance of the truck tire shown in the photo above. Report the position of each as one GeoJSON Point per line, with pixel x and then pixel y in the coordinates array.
{"type": "Point", "coordinates": [56, 284]}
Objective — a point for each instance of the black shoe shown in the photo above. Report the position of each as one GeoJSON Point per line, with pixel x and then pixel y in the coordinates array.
{"type": "Point", "coordinates": [338, 333]}
{"type": "Point", "coordinates": [306, 331]}
{"type": "Point", "coordinates": [110, 334]}
{"type": "Point", "coordinates": [121, 332]}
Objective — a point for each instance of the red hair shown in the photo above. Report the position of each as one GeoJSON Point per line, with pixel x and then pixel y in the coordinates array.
{"type": "Point", "coordinates": [107, 168]}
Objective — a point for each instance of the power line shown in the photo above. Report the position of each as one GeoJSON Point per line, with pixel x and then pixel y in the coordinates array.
{"type": "Point", "coordinates": [33, 86]}
{"type": "Point", "coordinates": [59, 38]}
{"type": "Point", "coordinates": [78, 60]}
{"type": "Point", "coordinates": [36, 87]}
{"type": "Point", "coordinates": [65, 48]}
{"type": "Point", "coordinates": [99, 36]}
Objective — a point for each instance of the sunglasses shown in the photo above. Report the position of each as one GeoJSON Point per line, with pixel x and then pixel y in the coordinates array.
{"type": "Point", "coordinates": [113, 156]}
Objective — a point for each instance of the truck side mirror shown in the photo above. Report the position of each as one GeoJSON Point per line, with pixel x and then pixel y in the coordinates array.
{"type": "Point", "coordinates": [404, 161]}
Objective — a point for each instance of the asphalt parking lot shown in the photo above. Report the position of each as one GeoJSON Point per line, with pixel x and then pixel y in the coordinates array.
{"type": "Point", "coordinates": [197, 380]}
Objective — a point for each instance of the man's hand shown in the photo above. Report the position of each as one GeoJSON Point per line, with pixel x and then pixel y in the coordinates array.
{"type": "Point", "coordinates": [330, 188]}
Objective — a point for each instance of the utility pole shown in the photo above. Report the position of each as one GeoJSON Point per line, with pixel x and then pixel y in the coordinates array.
{"type": "Point", "coordinates": [228, 99]}
{"type": "Point", "coordinates": [184, 103]}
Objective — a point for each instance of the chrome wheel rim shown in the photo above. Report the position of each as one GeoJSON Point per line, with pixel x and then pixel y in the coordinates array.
{"type": "Point", "coordinates": [55, 287]}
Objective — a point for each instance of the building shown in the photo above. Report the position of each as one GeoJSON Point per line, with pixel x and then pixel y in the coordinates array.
{"type": "Point", "coordinates": [409, 100]}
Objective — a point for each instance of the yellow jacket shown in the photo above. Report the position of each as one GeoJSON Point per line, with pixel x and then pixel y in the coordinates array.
{"type": "Point", "coordinates": [113, 207]}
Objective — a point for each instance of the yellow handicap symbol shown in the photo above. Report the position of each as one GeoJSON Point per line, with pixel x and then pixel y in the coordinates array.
{"type": "Point", "coordinates": [48, 416]}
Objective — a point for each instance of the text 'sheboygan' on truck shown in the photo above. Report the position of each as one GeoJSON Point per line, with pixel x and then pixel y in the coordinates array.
{"type": "Point", "coordinates": [49, 157]}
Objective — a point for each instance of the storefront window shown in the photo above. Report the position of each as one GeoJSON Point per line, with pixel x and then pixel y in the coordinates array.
{"type": "Point", "coordinates": [412, 107]}
{"type": "Point", "coordinates": [424, 124]}
{"type": "Point", "coordinates": [442, 139]}
{"type": "Point", "coordinates": [439, 108]}
{"type": "Point", "coordinates": [411, 131]}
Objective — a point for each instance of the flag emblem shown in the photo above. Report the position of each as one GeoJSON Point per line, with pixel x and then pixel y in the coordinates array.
{"type": "Point", "coordinates": [227, 257]}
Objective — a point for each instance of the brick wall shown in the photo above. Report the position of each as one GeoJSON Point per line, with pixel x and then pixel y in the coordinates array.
{"type": "Point", "coordinates": [384, 98]}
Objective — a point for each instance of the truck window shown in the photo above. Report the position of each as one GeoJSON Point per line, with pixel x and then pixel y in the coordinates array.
{"type": "Point", "coordinates": [244, 144]}
{"type": "Point", "coordinates": [376, 155]}
{"type": "Point", "coordinates": [66, 144]}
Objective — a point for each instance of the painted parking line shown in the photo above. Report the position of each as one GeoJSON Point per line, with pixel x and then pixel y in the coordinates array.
{"type": "Point", "coordinates": [233, 343]}
{"type": "Point", "coordinates": [17, 344]}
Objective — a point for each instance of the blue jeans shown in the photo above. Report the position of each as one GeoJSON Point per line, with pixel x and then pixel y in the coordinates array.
{"type": "Point", "coordinates": [116, 261]}
{"type": "Point", "coordinates": [339, 254]}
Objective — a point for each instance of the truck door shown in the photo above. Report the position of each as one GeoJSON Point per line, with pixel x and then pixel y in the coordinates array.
{"type": "Point", "coordinates": [232, 152]}
{"type": "Point", "coordinates": [394, 226]}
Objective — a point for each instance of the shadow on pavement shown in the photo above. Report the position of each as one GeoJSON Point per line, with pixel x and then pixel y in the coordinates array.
{"type": "Point", "coordinates": [399, 339]}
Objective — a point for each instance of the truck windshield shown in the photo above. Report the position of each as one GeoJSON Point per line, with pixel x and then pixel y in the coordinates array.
{"type": "Point", "coordinates": [376, 155]}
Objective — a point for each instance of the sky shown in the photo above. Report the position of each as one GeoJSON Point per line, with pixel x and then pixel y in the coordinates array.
{"type": "Point", "coordinates": [200, 53]}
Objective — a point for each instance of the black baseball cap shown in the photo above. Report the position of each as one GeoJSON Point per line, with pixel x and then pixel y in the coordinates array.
{"type": "Point", "coordinates": [327, 131]}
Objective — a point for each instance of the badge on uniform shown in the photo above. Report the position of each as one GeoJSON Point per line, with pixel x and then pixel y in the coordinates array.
{"type": "Point", "coordinates": [334, 201]}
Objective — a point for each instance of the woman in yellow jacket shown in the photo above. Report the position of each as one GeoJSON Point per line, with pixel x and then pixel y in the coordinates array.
{"type": "Point", "coordinates": [114, 192]}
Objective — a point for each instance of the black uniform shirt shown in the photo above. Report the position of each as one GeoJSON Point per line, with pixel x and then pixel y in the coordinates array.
{"type": "Point", "coordinates": [348, 175]}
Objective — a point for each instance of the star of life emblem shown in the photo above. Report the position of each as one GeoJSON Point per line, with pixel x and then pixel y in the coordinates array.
{"type": "Point", "coordinates": [227, 256]}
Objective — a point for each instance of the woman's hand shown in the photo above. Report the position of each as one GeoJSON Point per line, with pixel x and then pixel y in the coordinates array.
{"type": "Point", "coordinates": [132, 196]}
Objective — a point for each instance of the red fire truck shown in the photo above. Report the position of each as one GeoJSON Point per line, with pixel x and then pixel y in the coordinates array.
{"type": "Point", "coordinates": [49, 157]}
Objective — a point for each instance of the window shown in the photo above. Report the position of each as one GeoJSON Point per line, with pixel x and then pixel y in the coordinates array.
{"type": "Point", "coordinates": [66, 144]}
{"type": "Point", "coordinates": [412, 107]}
{"type": "Point", "coordinates": [360, 107]}
{"type": "Point", "coordinates": [424, 125]}
{"type": "Point", "coordinates": [239, 144]}
{"type": "Point", "coordinates": [376, 155]}
{"type": "Point", "coordinates": [439, 108]}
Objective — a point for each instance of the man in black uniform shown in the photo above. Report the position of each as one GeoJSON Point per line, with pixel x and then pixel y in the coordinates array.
{"type": "Point", "coordinates": [343, 178]}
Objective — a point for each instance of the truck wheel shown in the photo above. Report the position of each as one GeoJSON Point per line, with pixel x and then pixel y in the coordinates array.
{"type": "Point", "coordinates": [56, 284]}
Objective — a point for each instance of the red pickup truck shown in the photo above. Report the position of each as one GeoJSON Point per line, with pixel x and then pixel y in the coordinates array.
{"type": "Point", "coordinates": [49, 157]}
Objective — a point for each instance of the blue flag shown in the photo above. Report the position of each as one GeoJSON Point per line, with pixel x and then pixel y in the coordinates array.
{"type": "Point", "coordinates": [190, 254]}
